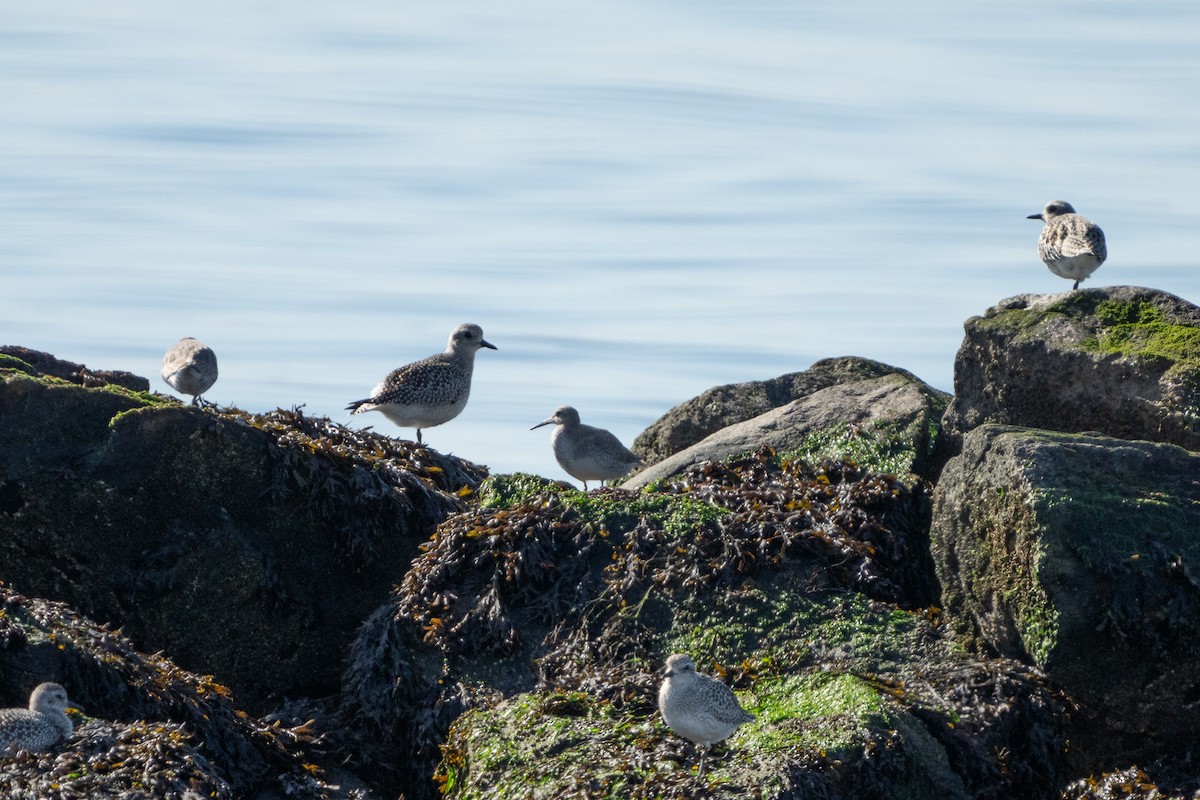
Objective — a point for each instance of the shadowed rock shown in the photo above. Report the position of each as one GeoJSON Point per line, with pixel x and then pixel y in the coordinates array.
{"type": "Point", "coordinates": [249, 546]}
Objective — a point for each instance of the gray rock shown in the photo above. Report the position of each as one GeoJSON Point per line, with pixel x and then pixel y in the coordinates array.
{"type": "Point", "coordinates": [1079, 552]}
{"type": "Point", "coordinates": [888, 422]}
{"type": "Point", "coordinates": [1124, 361]}
{"type": "Point", "coordinates": [695, 419]}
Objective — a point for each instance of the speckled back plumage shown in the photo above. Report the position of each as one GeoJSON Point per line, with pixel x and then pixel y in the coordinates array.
{"type": "Point", "coordinates": [1071, 245]}
{"type": "Point", "coordinates": [697, 707]}
{"type": "Point", "coordinates": [190, 367]}
{"type": "Point", "coordinates": [431, 391]}
{"type": "Point", "coordinates": [585, 452]}
{"type": "Point", "coordinates": [40, 726]}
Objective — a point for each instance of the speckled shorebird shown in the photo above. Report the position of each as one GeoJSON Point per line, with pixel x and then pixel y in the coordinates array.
{"type": "Point", "coordinates": [698, 708]}
{"type": "Point", "coordinates": [585, 452]}
{"type": "Point", "coordinates": [1072, 246]}
{"type": "Point", "coordinates": [190, 367]}
{"type": "Point", "coordinates": [40, 726]}
{"type": "Point", "coordinates": [430, 391]}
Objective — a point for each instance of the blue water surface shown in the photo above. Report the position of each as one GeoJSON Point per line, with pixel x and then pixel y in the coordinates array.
{"type": "Point", "coordinates": [637, 201]}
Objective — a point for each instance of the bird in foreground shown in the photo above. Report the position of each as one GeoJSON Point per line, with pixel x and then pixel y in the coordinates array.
{"type": "Point", "coordinates": [585, 452]}
{"type": "Point", "coordinates": [190, 367]}
{"type": "Point", "coordinates": [698, 708]}
{"type": "Point", "coordinates": [430, 391]}
{"type": "Point", "coordinates": [1072, 246]}
{"type": "Point", "coordinates": [40, 726]}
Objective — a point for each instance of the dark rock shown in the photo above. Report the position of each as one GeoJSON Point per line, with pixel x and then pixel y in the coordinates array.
{"type": "Point", "coordinates": [1124, 361]}
{"type": "Point", "coordinates": [151, 729]}
{"type": "Point", "coordinates": [34, 362]}
{"type": "Point", "coordinates": [247, 546]}
{"type": "Point", "coordinates": [1079, 553]}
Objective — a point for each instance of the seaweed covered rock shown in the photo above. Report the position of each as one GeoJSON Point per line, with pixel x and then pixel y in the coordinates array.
{"type": "Point", "coordinates": [1079, 553]}
{"type": "Point", "coordinates": [155, 730]}
{"type": "Point", "coordinates": [538, 624]}
{"type": "Point", "coordinates": [889, 423]}
{"type": "Point", "coordinates": [248, 546]}
{"type": "Point", "coordinates": [1124, 361]}
{"type": "Point", "coordinates": [695, 419]}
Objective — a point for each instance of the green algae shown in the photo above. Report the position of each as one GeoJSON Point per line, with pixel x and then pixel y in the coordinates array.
{"type": "Point", "coordinates": [781, 628]}
{"type": "Point", "coordinates": [608, 510]}
{"type": "Point", "coordinates": [882, 447]}
{"type": "Point", "coordinates": [1139, 328]}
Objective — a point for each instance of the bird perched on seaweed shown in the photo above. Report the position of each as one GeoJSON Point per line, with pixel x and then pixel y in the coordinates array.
{"type": "Point", "coordinates": [431, 391]}
{"type": "Point", "coordinates": [585, 452]}
{"type": "Point", "coordinates": [699, 708]}
{"type": "Point", "coordinates": [40, 726]}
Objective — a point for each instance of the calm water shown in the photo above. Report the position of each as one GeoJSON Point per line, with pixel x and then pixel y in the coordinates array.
{"type": "Point", "coordinates": [637, 201]}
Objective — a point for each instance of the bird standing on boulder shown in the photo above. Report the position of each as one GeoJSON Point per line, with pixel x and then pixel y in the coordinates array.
{"type": "Point", "coordinates": [39, 727]}
{"type": "Point", "coordinates": [585, 452]}
{"type": "Point", "coordinates": [190, 367]}
{"type": "Point", "coordinates": [698, 708]}
{"type": "Point", "coordinates": [1072, 246]}
{"type": "Point", "coordinates": [430, 391]}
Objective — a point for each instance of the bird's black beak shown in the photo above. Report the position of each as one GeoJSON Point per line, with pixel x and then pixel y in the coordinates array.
{"type": "Point", "coordinates": [487, 344]}
{"type": "Point", "coordinates": [1036, 216]}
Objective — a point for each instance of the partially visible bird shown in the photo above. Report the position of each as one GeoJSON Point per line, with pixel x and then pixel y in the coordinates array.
{"type": "Point", "coordinates": [190, 367]}
{"type": "Point", "coordinates": [1072, 246]}
{"type": "Point", "coordinates": [698, 708]}
{"type": "Point", "coordinates": [585, 452]}
{"type": "Point", "coordinates": [430, 391]}
{"type": "Point", "coordinates": [40, 726]}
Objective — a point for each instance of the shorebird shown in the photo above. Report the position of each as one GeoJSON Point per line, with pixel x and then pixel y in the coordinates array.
{"type": "Point", "coordinates": [40, 726]}
{"type": "Point", "coordinates": [430, 391]}
{"type": "Point", "coordinates": [1072, 246]}
{"type": "Point", "coordinates": [698, 708]}
{"type": "Point", "coordinates": [585, 452]}
{"type": "Point", "coordinates": [190, 367]}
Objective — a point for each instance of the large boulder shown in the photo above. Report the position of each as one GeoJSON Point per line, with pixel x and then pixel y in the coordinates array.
{"type": "Point", "coordinates": [1124, 361]}
{"type": "Point", "coordinates": [1079, 553]}
{"type": "Point", "coordinates": [247, 546]}
{"type": "Point", "coordinates": [693, 420]}
{"type": "Point", "coordinates": [888, 422]}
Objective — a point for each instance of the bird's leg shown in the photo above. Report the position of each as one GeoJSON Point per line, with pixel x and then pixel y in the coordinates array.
{"type": "Point", "coordinates": [703, 756]}
{"type": "Point", "coordinates": [419, 436]}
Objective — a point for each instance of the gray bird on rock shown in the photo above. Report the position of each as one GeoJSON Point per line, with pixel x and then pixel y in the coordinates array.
{"type": "Point", "coordinates": [1071, 245]}
{"type": "Point", "coordinates": [585, 452]}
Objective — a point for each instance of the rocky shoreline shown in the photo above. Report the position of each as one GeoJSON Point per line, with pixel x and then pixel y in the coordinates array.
{"type": "Point", "coordinates": [988, 595]}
